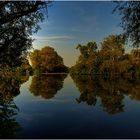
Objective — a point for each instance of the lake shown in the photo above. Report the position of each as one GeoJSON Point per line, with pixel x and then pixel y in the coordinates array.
{"type": "Point", "coordinates": [64, 106]}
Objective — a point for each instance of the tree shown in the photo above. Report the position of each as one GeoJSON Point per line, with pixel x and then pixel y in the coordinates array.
{"type": "Point", "coordinates": [25, 67]}
{"type": "Point", "coordinates": [87, 50]}
{"type": "Point", "coordinates": [112, 49]}
{"type": "Point", "coordinates": [130, 21]}
{"type": "Point", "coordinates": [135, 57]}
{"type": "Point", "coordinates": [9, 126]}
{"type": "Point", "coordinates": [18, 20]}
{"type": "Point", "coordinates": [47, 86]}
{"type": "Point", "coordinates": [47, 60]}
{"type": "Point", "coordinates": [14, 10]}
{"type": "Point", "coordinates": [87, 89]}
{"type": "Point", "coordinates": [108, 92]}
{"type": "Point", "coordinates": [87, 58]}
{"type": "Point", "coordinates": [9, 88]}
{"type": "Point", "coordinates": [110, 60]}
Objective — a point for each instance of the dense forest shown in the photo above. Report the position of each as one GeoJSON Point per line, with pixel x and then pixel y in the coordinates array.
{"type": "Point", "coordinates": [107, 59]}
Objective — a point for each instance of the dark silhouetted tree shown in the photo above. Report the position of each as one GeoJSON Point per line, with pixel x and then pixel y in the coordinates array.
{"type": "Point", "coordinates": [9, 88]}
{"type": "Point", "coordinates": [130, 21]}
{"type": "Point", "coordinates": [18, 20]}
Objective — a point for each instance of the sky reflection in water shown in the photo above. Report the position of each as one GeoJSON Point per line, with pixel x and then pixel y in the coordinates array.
{"type": "Point", "coordinates": [78, 107]}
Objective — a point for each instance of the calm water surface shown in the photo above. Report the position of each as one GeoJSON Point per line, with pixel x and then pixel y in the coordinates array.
{"type": "Point", "coordinates": [60, 106]}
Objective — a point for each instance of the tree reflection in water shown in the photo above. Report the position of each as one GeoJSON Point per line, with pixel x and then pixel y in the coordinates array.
{"type": "Point", "coordinates": [47, 86]}
{"type": "Point", "coordinates": [111, 92]}
{"type": "Point", "coordinates": [9, 88]}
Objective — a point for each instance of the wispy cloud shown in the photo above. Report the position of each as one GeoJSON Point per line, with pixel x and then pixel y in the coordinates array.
{"type": "Point", "coordinates": [49, 38]}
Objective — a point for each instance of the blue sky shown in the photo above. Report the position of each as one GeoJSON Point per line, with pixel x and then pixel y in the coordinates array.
{"type": "Point", "coordinates": [72, 22]}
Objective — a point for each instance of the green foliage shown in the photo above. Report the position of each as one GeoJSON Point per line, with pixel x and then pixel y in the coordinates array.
{"type": "Point", "coordinates": [110, 60]}
{"type": "Point", "coordinates": [137, 71]}
{"type": "Point", "coordinates": [25, 68]}
{"type": "Point", "coordinates": [47, 85]}
{"type": "Point", "coordinates": [110, 92]}
{"type": "Point", "coordinates": [87, 50]}
{"type": "Point", "coordinates": [87, 59]}
{"type": "Point", "coordinates": [18, 20]}
{"type": "Point", "coordinates": [37, 72]}
{"type": "Point", "coordinates": [9, 88]}
{"type": "Point", "coordinates": [130, 21]}
{"type": "Point", "coordinates": [47, 60]}
{"type": "Point", "coordinates": [9, 126]}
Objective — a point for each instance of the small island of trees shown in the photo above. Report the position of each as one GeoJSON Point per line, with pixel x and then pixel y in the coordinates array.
{"type": "Point", "coordinates": [47, 60]}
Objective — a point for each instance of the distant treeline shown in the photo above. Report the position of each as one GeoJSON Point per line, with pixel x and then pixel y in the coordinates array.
{"type": "Point", "coordinates": [45, 60]}
{"type": "Point", "coordinates": [110, 59]}
{"type": "Point", "coordinates": [18, 24]}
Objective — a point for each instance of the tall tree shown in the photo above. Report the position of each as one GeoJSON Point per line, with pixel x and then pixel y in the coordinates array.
{"type": "Point", "coordinates": [87, 50]}
{"type": "Point", "coordinates": [86, 59]}
{"type": "Point", "coordinates": [130, 21]}
{"type": "Point", "coordinates": [113, 46]}
{"type": "Point", "coordinates": [112, 49]}
{"type": "Point", "coordinates": [18, 20]}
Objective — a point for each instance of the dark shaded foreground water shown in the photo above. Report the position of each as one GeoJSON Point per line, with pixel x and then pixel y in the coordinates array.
{"type": "Point", "coordinates": [58, 106]}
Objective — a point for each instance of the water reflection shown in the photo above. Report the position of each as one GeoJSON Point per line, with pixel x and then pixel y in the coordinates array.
{"type": "Point", "coordinates": [9, 88]}
{"type": "Point", "coordinates": [111, 92]}
{"type": "Point", "coordinates": [47, 86]}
